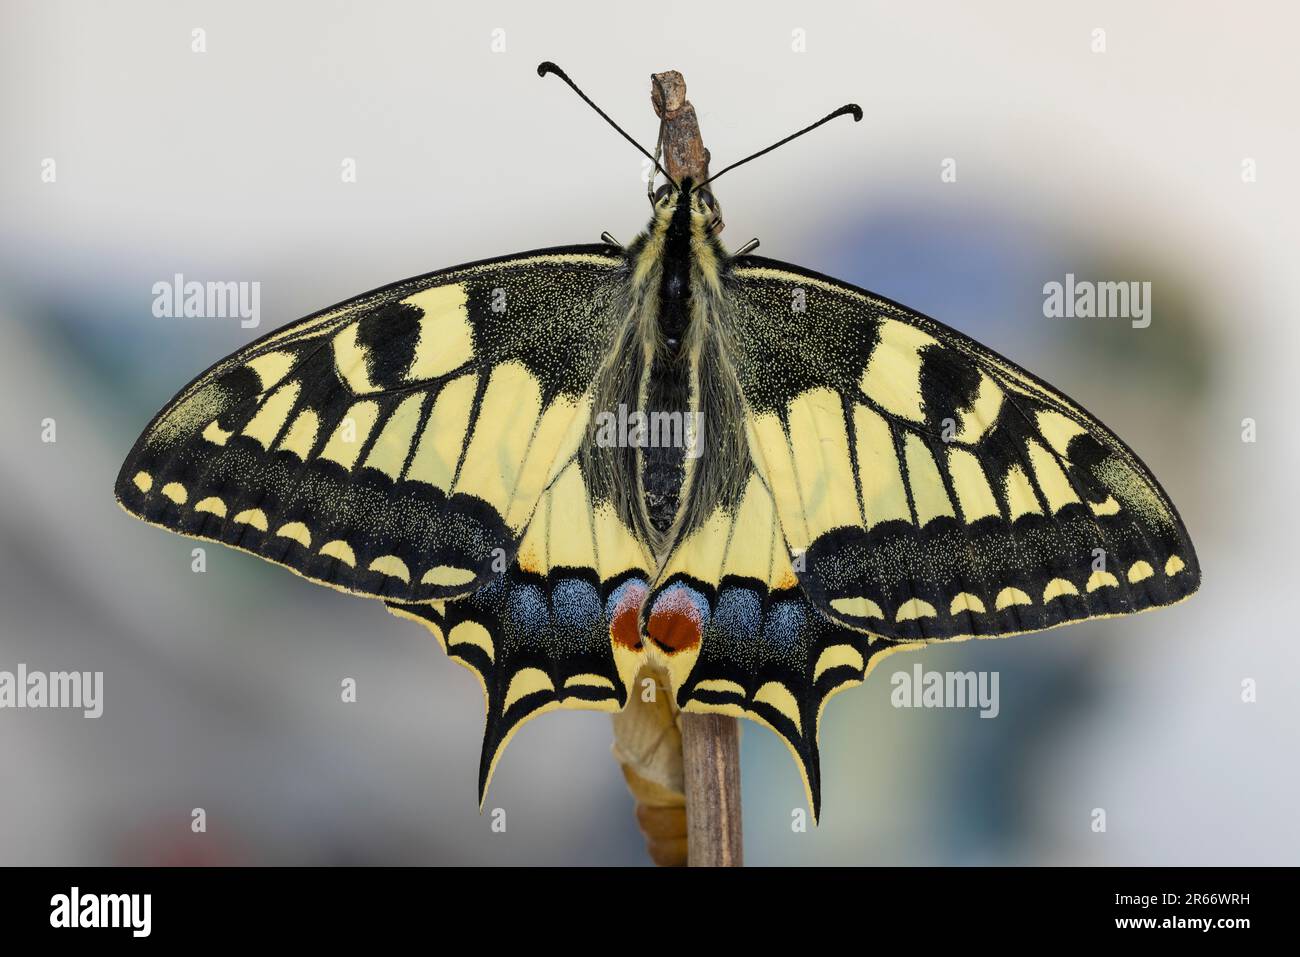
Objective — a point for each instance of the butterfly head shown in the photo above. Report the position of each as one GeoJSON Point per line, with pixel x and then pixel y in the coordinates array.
{"type": "Point", "coordinates": [699, 204]}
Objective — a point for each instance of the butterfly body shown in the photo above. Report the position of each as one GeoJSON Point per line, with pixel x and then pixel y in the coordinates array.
{"type": "Point", "coordinates": [664, 371]}
{"type": "Point", "coordinates": [856, 479]}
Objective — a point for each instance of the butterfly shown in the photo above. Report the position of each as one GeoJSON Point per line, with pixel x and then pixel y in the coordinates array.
{"type": "Point", "coordinates": [577, 463]}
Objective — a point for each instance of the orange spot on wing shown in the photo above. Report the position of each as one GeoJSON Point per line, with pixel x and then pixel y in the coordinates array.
{"type": "Point", "coordinates": [528, 561]}
{"type": "Point", "coordinates": [674, 629]}
{"type": "Point", "coordinates": [787, 580]}
{"type": "Point", "coordinates": [624, 626]}
{"type": "Point", "coordinates": [675, 619]}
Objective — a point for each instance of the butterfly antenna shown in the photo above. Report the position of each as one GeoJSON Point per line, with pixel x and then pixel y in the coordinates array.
{"type": "Point", "coordinates": [549, 67]}
{"type": "Point", "coordinates": [850, 109]}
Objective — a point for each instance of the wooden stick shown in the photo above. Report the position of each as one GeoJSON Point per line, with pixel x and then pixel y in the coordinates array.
{"type": "Point", "coordinates": [711, 760]}
{"type": "Point", "coordinates": [710, 742]}
{"type": "Point", "coordinates": [682, 142]}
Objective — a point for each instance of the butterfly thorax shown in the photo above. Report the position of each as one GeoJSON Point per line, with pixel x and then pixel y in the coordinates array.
{"type": "Point", "coordinates": [674, 316]}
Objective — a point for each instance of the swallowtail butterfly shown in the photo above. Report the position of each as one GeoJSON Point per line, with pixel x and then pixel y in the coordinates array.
{"type": "Point", "coordinates": [837, 477]}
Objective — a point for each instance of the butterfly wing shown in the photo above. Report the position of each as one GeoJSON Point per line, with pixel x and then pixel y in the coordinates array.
{"type": "Point", "coordinates": [906, 485]}
{"type": "Point", "coordinates": [559, 628]}
{"type": "Point", "coordinates": [932, 488]}
{"type": "Point", "coordinates": [396, 445]}
{"type": "Point", "coordinates": [737, 634]}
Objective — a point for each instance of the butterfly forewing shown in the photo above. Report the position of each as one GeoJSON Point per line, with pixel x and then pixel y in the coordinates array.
{"type": "Point", "coordinates": [933, 488]}
{"type": "Point", "coordinates": [396, 445]}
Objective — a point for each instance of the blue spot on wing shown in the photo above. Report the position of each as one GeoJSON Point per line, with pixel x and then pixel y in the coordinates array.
{"type": "Point", "coordinates": [618, 594]}
{"type": "Point", "coordinates": [577, 604]}
{"type": "Point", "coordinates": [785, 625]}
{"type": "Point", "coordinates": [526, 609]}
{"type": "Point", "coordinates": [739, 614]}
{"type": "Point", "coordinates": [678, 596]}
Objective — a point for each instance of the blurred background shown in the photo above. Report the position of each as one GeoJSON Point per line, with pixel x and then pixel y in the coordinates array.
{"type": "Point", "coordinates": [1128, 163]}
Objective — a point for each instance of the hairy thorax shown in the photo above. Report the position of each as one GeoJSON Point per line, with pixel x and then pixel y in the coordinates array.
{"type": "Point", "coordinates": [671, 378]}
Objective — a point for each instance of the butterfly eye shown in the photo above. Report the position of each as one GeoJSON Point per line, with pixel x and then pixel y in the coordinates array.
{"type": "Point", "coordinates": [661, 193]}
{"type": "Point", "coordinates": [711, 210]}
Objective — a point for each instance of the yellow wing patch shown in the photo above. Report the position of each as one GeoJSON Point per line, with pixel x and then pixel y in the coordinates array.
{"type": "Point", "coordinates": [892, 378]}
{"type": "Point", "coordinates": [446, 338]}
{"type": "Point", "coordinates": [296, 531]}
{"type": "Point", "coordinates": [252, 516]}
{"type": "Point", "coordinates": [392, 566]}
{"type": "Point", "coordinates": [444, 434]}
{"type": "Point", "coordinates": [213, 506]}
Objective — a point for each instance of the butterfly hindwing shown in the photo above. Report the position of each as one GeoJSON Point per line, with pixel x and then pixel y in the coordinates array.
{"type": "Point", "coordinates": [395, 445]}
{"type": "Point", "coordinates": [934, 489]}
{"type": "Point", "coordinates": [736, 634]}
{"type": "Point", "coordinates": [558, 628]}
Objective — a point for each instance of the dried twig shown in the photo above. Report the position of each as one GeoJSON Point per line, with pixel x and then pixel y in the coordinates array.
{"type": "Point", "coordinates": [683, 146]}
